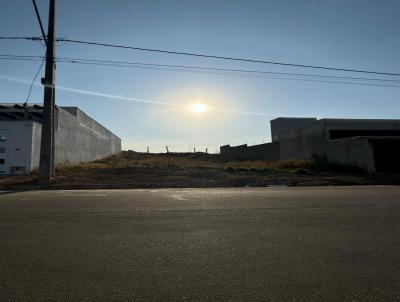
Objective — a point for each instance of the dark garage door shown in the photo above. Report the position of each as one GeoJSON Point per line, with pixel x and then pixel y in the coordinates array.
{"type": "Point", "coordinates": [387, 155]}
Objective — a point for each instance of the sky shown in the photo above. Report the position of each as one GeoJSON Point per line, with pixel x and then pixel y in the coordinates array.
{"type": "Point", "coordinates": [149, 107]}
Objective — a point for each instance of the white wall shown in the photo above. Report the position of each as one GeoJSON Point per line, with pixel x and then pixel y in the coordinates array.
{"type": "Point", "coordinates": [18, 146]}
{"type": "Point", "coordinates": [79, 138]}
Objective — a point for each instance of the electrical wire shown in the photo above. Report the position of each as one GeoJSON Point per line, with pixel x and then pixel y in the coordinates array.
{"type": "Point", "coordinates": [223, 71]}
{"type": "Point", "coordinates": [20, 38]}
{"type": "Point", "coordinates": [229, 72]}
{"type": "Point", "coordinates": [226, 58]}
{"type": "Point", "coordinates": [209, 56]}
{"type": "Point", "coordinates": [237, 74]}
{"type": "Point", "coordinates": [40, 22]}
{"type": "Point", "coordinates": [33, 81]}
{"type": "Point", "coordinates": [127, 64]}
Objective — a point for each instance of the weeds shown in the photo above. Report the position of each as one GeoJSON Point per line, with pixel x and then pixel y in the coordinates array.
{"type": "Point", "coordinates": [269, 166]}
{"type": "Point", "coordinates": [130, 160]}
{"type": "Point", "coordinates": [297, 166]}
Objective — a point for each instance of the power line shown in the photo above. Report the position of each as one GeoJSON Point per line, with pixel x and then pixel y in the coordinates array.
{"type": "Point", "coordinates": [189, 67]}
{"type": "Point", "coordinates": [20, 38]}
{"type": "Point", "coordinates": [20, 59]}
{"type": "Point", "coordinates": [127, 64]}
{"type": "Point", "coordinates": [225, 57]}
{"type": "Point", "coordinates": [40, 22]}
{"type": "Point", "coordinates": [33, 81]}
{"type": "Point", "coordinates": [209, 56]}
{"type": "Point", "coordinates": [237, 74]}
{"type": "Point", "coordinates": [224, 71]}
{"type": "Point", "coordinates": [20, 56]}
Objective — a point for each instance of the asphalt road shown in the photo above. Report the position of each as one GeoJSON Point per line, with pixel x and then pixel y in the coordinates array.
{"type": "Point", "coordinates": [265, 244]}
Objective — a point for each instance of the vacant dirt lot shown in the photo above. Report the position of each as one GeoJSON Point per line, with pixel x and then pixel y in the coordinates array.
{"type": "Point", "coordinates": [138, 170]}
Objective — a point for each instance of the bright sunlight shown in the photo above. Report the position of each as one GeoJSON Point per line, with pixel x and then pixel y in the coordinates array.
{"type": "Point", "coordinates": [198, 108]}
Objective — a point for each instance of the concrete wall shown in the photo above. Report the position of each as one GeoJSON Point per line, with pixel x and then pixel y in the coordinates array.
{"type": "Point", "coordinates": [269, 151]}
{"type": "Point", "coordinates": [79, 138]}
{"type": "Point", "coordinates": [355, 151]}
{"type": "Point", "coordinates": [36, 139]}
{"type": "Point", "coordinates": [233, 153]}
{"type": "Point", "coordinates": [304, 138]}
{"type": "Point", "coordinates": [361, 124]}
{"type": "Point", "coordinates": [303, 142]}
{"type": "Point", "coordinates": [283, 123]}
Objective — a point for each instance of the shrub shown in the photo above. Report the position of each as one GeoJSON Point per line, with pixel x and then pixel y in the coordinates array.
{"type": "Point", "coordinates": [230, 169]}
{"type": "Point", "coordinates": [268, 166]}
{"type": "Point", "coordinates": [301, 172]}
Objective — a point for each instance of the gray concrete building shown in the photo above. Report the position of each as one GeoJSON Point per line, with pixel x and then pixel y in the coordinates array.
{"type": "Point", "coordinates": [369, 144]}
{"type": "Point", "coordinates": [78, 138]}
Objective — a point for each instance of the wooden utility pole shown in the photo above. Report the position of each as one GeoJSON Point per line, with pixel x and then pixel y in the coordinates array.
{"type": "Point", "coordinates": [46, 165]}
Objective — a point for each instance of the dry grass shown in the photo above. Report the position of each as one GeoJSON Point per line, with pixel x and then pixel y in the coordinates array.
{"type": "Point", "coordinates": [81, 167]}
{"type": "Point", "coordinates": [140, 170]}
{"type": "Point", "coordinates": [186, 161]}
{"type": "Point", "coordinates": [135, 160]}
{"type": "Point", "coordinates": [280, 165]}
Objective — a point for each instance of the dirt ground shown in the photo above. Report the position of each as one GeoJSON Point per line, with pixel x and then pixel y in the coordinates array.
{"type": "Point", "coordinates": [177, 170]}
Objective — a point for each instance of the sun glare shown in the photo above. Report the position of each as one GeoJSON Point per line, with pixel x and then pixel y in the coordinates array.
{"type": "Point", "coordinates": [198, 108]}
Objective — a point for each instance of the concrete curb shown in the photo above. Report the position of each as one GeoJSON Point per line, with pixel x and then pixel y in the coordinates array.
{"type": "Point", "coordinates": [152, 186]}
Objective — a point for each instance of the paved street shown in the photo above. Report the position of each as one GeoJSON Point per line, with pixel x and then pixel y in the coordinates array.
{"type": "Point", "coordinates": [239, 244]}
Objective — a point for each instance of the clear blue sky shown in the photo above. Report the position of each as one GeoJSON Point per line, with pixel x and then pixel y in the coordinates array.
{"type": "Point", "coordinates": [362, 34]}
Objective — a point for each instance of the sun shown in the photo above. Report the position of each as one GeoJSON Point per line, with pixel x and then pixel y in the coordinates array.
{"type": "Point", "coordinates": [198, 108]}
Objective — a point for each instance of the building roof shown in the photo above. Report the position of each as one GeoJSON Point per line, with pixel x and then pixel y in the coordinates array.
{"type": "Point", "coordinates": [20, 112]}
{"type": "Point", "coordinates": [34, 112]}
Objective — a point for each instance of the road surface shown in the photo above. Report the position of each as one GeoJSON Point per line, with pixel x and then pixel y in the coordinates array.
{"type": "Point", "coordinates": [243, 244]}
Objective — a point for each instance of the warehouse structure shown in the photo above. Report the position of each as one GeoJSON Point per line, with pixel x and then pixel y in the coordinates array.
{"type": "Point", "coordinates": [78, 138]}
{"type": "Point", "coordinates": [369, 144]}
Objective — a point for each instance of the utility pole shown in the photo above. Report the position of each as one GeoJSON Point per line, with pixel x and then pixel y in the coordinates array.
{"type": "Point", "coordinates": [46, 165]}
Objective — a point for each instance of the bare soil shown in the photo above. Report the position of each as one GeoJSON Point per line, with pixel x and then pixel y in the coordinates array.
{"type": "Point", "coordinates": [179, 170]}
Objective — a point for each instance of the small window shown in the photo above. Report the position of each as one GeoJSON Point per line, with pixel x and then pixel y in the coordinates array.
{"type": "Point", "coordinates": [20, 168]}
{"type": "Point", "coordinates": [2, 161]}
{"type": "Point", "coordinates": [3, 138]}
{"type": "Point", "coordinates": [2, 150]}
